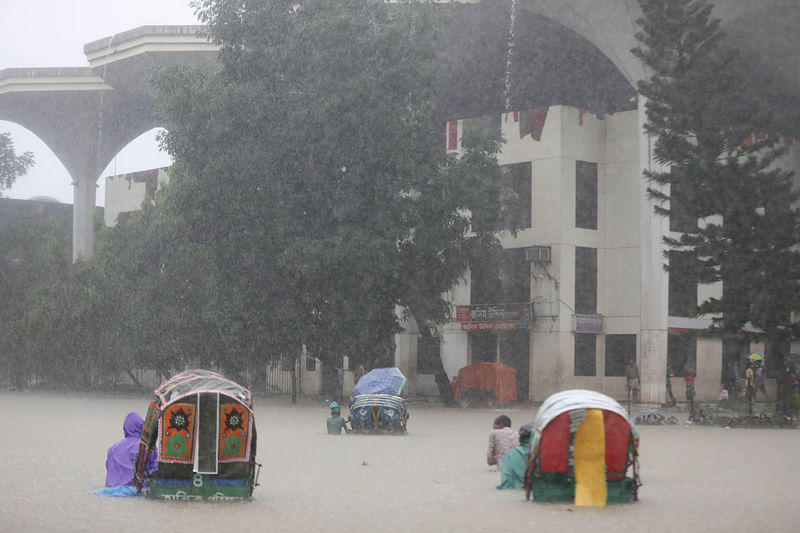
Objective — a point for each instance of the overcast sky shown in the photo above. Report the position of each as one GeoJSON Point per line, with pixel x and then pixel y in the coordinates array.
{"type": "Point", "coordinates": [51, 33]}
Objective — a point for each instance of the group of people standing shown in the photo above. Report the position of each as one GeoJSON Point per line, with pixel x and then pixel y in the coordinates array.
{"type": "Point", "coordinates": [755, 382]}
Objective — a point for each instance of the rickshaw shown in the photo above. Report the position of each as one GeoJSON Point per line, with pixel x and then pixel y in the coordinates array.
{"type": "Point", "coordinates": [201, 425]}
{"type": "Point", "coordinates": [583, 447]}
{"type": "Point", "coordinates": [376, 405]}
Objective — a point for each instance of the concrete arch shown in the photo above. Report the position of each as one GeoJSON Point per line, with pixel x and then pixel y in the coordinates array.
{"type": "Point", "coordinates": [551, 64]}
{"type": "Point", "coordinates": [764, 32]}
{"type": "Point", "coordinates": [44, 158]}
{"type": "Point", "coordinates": [86, 115]}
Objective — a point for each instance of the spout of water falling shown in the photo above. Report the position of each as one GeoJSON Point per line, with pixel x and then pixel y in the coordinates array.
{"type": "Point", "coordinates": [509, 55]}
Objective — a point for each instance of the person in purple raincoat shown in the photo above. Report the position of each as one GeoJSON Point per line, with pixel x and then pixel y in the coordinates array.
{"type": "Point", "coordinates": [121, 457]}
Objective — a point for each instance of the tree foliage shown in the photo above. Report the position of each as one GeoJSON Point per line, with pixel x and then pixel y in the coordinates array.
{"type": "Point", "coordinates": [311, 199]}
{"type": "Point", "coordinates": [12, 165]}
{"type": "Point", "coordinates": [312, 173]}
{"type": "Point", "coordinates": [723, 155]}
{"type": "Point", "coordinates": [35, 248]}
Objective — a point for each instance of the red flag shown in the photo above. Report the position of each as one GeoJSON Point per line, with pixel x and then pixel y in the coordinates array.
{"type": "Point", "coordinates": [532, 122]}
{"type": "Point", "coordinates": [452, 135]}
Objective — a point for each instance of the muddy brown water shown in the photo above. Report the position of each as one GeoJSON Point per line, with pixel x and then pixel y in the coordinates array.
{"type": "Point", "coordinates": [696, 479]}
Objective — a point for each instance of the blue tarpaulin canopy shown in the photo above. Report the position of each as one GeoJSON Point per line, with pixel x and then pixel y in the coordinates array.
{"type": "Point", "coordinates": [381, 381]}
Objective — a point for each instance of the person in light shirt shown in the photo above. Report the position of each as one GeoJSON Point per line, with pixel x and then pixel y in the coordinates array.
{"type": "Point", "coordinates": [501, 440]}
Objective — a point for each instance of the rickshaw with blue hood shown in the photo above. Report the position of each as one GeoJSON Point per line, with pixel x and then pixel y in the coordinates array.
{"type": "Point", "coordinates": [376, 405]}
{"type": "Point", "coordinates": [201, 426]}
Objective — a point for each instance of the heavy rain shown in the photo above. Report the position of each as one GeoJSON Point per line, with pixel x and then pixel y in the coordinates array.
{"type": "Point", "coordinates": [401, 221]}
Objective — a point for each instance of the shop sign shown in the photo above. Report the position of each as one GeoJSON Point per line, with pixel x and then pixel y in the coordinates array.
{"type": "Point", "coordinates": [493, 312]}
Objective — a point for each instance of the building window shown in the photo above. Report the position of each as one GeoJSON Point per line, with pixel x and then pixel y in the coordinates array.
{"type": "Point", "coordinates": [681, 219]}
{"type": "Point", "coordinates": [517, 178]}
{"type": "Point", "coordinates": [585, 355]}
{"type": "Point", "coordinates": [514, 202]}
{"type": "Point", "coordinates": [682, 284]}
{"type": "Point", "coordinates": [504, 278]}
{"type": "Point", "coordinates": [682, 353]}
{"type": "Point", "coordinates": [585, 195]}
{"type": "Point", "coordinates": [311, 364]}
{"type": "Point", "coordinates": [428, 354]}
{"type": "Point", "coordinates": [585, 281]}
{"type": "Point", "coordinates": [619, 350]}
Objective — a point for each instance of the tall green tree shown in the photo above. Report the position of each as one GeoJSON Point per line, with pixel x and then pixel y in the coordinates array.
{"type": "Point", "coordinates": [311, 170]}
{"type": "Point", "coordinates": [12, 165]}
{"type": "Point", "coordinates": [728, 175]}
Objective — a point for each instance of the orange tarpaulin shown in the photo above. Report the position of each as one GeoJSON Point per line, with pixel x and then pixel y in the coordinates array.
{"type": "Point", "coordinates": [488, 377]}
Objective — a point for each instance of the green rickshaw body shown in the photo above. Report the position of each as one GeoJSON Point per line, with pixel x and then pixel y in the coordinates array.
{"type": "Point", "coordinates": [202, 427]}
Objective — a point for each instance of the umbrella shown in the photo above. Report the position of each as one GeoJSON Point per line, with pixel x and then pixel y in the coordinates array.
{"type": "Point", "coordinates": [381, 381]}
{"type": "Point", "coordinates": [754, 357]}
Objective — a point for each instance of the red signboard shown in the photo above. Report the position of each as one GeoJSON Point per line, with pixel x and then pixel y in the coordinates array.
{"type": "Point", "coordinates": [462, 313]}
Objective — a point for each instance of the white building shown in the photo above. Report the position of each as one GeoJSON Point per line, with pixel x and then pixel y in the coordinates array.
{"type": "Point", "coordinates": [126, 192]}
{"type": "Point", "coordinates": [590, 264]}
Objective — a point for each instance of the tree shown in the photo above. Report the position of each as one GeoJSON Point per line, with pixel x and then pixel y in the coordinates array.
{"type": "Point", "coordinates": [728, 177]}
{"type": "Point", "coordinates": [311, 171]}
{"type": "Point", "coordinates": [12, 165]}
{"type": "Point", "coordinates": [35, 244]}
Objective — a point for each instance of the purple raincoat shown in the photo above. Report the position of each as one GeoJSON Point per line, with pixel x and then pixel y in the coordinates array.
{"type": "Point", "coordinates": [121, 458]}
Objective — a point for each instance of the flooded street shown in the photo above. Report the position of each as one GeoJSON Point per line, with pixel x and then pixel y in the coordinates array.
{"type": "Point", "coordinates": [435, 479]}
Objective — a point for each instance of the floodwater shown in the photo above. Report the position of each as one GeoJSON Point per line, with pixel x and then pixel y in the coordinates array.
{"type": "Point", "coordinates": [696, 479]}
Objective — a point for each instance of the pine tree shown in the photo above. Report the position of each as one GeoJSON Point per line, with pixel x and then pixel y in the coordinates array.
{"type": "Point", "coordinates": [723, 157]}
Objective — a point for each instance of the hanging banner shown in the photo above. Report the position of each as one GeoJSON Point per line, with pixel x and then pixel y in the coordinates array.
{"type": "Point", "coordinates": [493, 317]}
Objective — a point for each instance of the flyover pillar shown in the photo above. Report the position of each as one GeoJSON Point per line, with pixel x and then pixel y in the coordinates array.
{"type": "Point", "coordinates": [654, 281]}
{"type": "Point", "coordinates": [84, 197]}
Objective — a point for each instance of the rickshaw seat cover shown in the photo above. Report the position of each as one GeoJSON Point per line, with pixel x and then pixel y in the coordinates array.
{"type": "Point", "coordinates": [617, 434]}
{"type": "Point", "coordinates": [556, 410]}
{"type": "Point", "coordinates": [554, 450]}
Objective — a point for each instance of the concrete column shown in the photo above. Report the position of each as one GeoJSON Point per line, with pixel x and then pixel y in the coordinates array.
{"type": "Point", "coordinates": [654, 281]}
{"type": "Point", "coordinates": [405, 358]}
{"type": "Point", "coordinates": [405, 351]}
{"type": "Point", "coordinates": [84, 197]}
